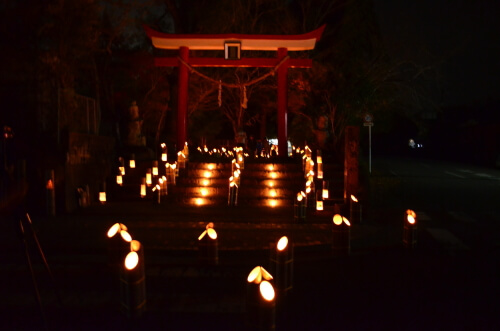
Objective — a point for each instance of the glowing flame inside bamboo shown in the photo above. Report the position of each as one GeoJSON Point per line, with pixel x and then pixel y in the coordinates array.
{"type": "Point", "coordinates": [258, 274]}
{"type": "Point", "coordinates": [102, 197]}
{"type": "Point", "coordinates": [125, 235]}
{"type": "Point", "coordinates": [274, 193]}
{"type": "Point", "coordinates": [267, 290]}
{"type": "Point", "coordinates": [131, 164]}
{"type": "Point", "coordinates": [115, 228]}
{"type": "Point", "coordinates": [273, 203]}
{"type": "Point", "coordinates": [410, 219]}
{"type": "Point", "coordinates": [411, 216]}
{"type": "Point", "coordinates": [122, 170]}
{"type": "Point", "coordinates": [211, 166]}
{"type": "Point", "coordinates": [164, 157]}
{"type": "Point", "coordinates": [205, 182]}
{"type": "Point", "coordinates": [207, 174]}
{"type": "Point", "coordinates": [282, 243]}
{"type": "Point", "coordinates": [270, 167]}
{"type": "Point", "coordinates": [337, 219]}
{"type": "Point", "coordinates": [132, 260]}
{"type": "Point", "coordinates": [149, 179]}
{"type": "Point", "coordinates": [319, 205]}
{"type": "Point", "coordinates": [143, 190]}
{"type": "Point", "coordinates": [325, 193]}
{"type": "Point", "coordinates": [119, 180]}
{"type": "Point", "coordinates": [155, 171]}
{"type": "Point", "coordinates": [204, 192]}
{"type": "Point", "coordinates": [135, 245]}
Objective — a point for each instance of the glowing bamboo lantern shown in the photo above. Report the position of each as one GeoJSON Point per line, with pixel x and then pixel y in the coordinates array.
{"type": "Point", "coordinates": [410, 229]}
{"type": "Point", "coordinates": [131, 162]}
{"type": "Point", "coordinates": [326, 192]}
{"type": "Point", "coordinates": [260, 300]}
{"type": "Point", "coordinates": [102, 193]}
{"type": "Point", "coordinates": [155, 169]}
{"type": "Point", "coordinates": [118, 243]}
{"type": "Point", "coordinates": [232, 199]}
{"type": "Point", "coordinates": [300, 204]}
{"type": "Point", "coordinates": [163, 185]}
{"type": "Point", "coordinates": [341, 245]}
{"type": "Point", "coordinates": [157, 189]}
{"type": "Point", "coordinates": [181, 160]}
{"type": "Point", "coordinates": [121, 169]}
{"type": "Point", "coordinates": [355, 209]}
{"type": "Point", "coordinates": [149, 178]}
{"type": "Point", "coordinates": [208, 250]}
{"type": "Point", "coordinates": [281, 260]}
{"type": "Point", "coordinates": [185, 151]}
{"type": "Point", "coordinates": [143, 188]}
{"type": "Point", "coordinates": [133, 281]}
{"type": "Point", "coordinates": [319, 161]}
{"type": "Point", "coordinates": [310, 195]}
{"type": "Point", "coordinates": [163, 152]}
{"type": "Point", "coordinates": [119, 180]}
{"type": "Point", "coordinates": [319, 201]}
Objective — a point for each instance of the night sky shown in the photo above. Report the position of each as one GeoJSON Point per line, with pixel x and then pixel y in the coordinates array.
{"type": "Point", "coordinates": [462, 36]}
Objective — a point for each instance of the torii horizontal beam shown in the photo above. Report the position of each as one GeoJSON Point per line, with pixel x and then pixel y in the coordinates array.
{"type": "Point", "coordinates": [220, 62]}
{"type": "Point", "coordinates": [249, 42]}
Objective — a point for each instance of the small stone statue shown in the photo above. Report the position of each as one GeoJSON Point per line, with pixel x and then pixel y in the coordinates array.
{"type": "Point", "coordinates": [135, 137]}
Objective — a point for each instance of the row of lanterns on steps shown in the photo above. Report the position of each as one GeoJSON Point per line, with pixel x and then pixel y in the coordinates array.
{"type": "Point", "coordinates": [152, 174]}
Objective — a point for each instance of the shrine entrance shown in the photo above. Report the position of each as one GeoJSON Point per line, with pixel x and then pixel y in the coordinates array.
{"type": "Point", "coordinates": [233, 45]}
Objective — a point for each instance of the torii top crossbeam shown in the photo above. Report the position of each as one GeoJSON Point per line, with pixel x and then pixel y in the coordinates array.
{"type": "Point", "coordinates": [244, 42]}
{"type": "Point", "coordinates": [249, 42]}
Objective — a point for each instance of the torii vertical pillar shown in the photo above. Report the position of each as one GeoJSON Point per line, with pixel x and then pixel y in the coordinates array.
{"type": "Point", "coordinates": [282, 103]}
{"type": "Point", "coordinates": [182, 99]}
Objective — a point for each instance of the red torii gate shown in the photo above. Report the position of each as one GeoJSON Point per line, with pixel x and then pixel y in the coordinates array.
{"type": "Point", "coordinates": [232, 44]}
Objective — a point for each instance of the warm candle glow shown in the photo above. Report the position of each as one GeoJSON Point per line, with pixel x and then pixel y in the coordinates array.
{"type": "Point", "coordinates": [119, 180]}
{"type": "Point", "coordinates": [132, 164]}
{"type": "Point", "coordinates": [325, 194]}
{"type": "Point", "coordinates": [257, 274]}
{"type": "Point", "coordinates": [132, 260]}
{"type": "Point", "coordinates": [282, 243]}
{"type": "Point", "coordinates": [125, 235]}
{"type": "Point", "coordinates": [102, 197]}
{"type": "Point", "coordinates": [122, 170]}
{"type": "Point", "coordinates": [273, 203]}
{"type": "Point", "coordinates": [353, 198]}
{"type": "Point", "coordinates": [337, 219]}
{"type": "Point", "coordinates": [164, 157]}
{"type": "Point", "coordinates": [267, 290]}
{"type": "Point", "coordinates": [115, 228]}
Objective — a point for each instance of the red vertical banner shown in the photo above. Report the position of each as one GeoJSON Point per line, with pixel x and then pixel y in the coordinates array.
{"type": "Point", "coordinates": [282, 103]}
{"type": "Point", "coordinates": [351, 162]}
{"type": "Point", "coordinates": [182, 98]}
